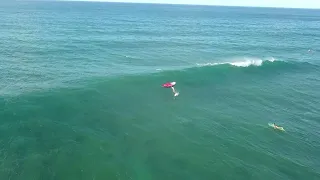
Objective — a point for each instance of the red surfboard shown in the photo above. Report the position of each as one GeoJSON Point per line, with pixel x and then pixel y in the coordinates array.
{"type": "Point", "coordinates": [168, 84]}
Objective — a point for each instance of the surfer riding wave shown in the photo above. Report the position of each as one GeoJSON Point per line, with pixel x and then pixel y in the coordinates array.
{"type": "Point", "coordinates": [171, 85]}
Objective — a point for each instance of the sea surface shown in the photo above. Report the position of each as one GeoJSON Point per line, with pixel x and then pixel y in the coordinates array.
{"type": "Point", "coordinates": [81, 95]}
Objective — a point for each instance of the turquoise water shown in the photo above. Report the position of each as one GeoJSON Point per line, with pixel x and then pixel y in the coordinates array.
{"type": "Point", "coordinates": [81, 95]}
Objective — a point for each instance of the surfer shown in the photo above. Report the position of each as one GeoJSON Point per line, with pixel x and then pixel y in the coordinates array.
{"type": "Point", "coordinates": [171, 85]}
{"type": "Point", "coordinates": [173, 90]}
{"type": "Point", "coordinates": [277, 127]}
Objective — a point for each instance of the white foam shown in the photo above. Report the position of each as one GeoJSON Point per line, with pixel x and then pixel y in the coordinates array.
{"type": "Point", "coordinates": [271, 59]}
{"type": "Point", "coordinates": [246, 62]}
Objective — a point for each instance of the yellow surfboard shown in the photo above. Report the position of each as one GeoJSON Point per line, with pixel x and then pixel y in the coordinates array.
{"type": "Point", "coordinates": [279, 128]}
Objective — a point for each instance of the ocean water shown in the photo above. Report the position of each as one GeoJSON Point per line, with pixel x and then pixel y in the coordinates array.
{"type": "Point", "coordinates": [81, 95]}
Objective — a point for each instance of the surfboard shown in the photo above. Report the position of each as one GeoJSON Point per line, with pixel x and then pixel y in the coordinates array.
{"type": "Point", "coordinates": [168, 84]}
{"type": "Point", "coordinates": [176, 94]}
{"type": "Point", "coordinates": [279, 128]}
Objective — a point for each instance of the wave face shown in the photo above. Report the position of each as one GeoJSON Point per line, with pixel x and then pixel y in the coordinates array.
{"type": "Point", "coordinates": [222, 113]}
{"type": "Point", "coordinates": [81, 94]}
{"type": "Point", "coordinates": [20, 80]}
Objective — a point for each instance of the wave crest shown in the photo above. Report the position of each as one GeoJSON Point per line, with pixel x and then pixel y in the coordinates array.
{"type": "Point", "coordinates": [246, 62]}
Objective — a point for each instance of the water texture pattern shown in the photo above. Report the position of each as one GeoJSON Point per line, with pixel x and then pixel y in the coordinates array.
{"type": "Point", "coordinates": [81, 95]}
